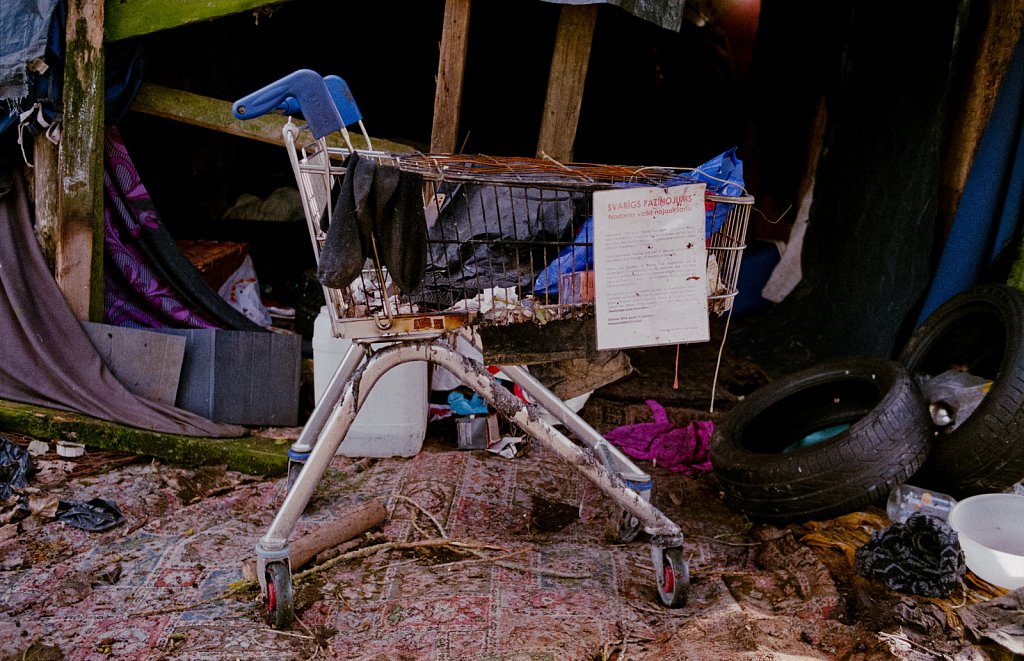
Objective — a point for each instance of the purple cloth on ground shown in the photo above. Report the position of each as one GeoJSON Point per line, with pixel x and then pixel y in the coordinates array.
{"type": "Point", "coordinates": [679, 449]}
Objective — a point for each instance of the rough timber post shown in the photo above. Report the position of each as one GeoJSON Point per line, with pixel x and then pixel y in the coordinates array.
{"type": "Point", "coordinates": [450, 69]}
{"type": "Point", "coordinates": [79, 250]}
{"type": "Point", "coordinates": [569, 64]}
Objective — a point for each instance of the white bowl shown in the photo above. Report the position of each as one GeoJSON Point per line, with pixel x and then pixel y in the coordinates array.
{"type": "Point", "coordinates": [991, 532]}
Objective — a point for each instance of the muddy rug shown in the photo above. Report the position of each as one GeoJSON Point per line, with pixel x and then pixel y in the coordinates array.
{"type": "Point", "coordinates": [532, 575]}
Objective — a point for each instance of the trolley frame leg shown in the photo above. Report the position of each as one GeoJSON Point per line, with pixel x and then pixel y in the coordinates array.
{"type": "Point", "coordinates": [318, 418]}
{"type": "Point", "coordinates": [616, 460]}
{"type": "Point", "coordinates": [274, 543]}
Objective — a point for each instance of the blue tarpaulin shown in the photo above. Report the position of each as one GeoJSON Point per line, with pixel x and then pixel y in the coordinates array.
{"type": "Point", "coordinates": [989, 210]}
{"type": "Point", "coordinates": [723, 175]}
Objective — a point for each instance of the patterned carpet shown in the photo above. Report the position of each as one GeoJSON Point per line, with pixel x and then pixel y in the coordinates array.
{"type": "Point", "coordinates": [160, 584]}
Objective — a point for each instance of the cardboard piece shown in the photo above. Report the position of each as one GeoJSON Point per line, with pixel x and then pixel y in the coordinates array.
{"type": "Point", "coordinates": [147, 364]}
{"type": "Point", "coordinates": [241, 377]}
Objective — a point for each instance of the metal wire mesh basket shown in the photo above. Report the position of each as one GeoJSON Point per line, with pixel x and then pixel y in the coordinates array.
{"type": "Point", "coordinates": [496, 227]}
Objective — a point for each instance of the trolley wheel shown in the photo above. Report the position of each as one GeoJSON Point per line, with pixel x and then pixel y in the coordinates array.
{"type": "Point", "coordinates": [673, 576]}
{"type": "Point", "coordinates": [294, 468]}
{"type": "Point", "coordinates": [279, 599]}
{"type": "Point", "coordinates": [623, 528]}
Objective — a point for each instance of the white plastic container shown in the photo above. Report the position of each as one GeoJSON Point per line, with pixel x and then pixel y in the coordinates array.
{"type": "Point", "coordinates": [393, 420]}
{"type": "Point", "coordinates": [990, 532]}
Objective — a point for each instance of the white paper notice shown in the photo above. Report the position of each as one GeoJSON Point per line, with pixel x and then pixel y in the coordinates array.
{"type": "Point", "coordinates": [650, 263]}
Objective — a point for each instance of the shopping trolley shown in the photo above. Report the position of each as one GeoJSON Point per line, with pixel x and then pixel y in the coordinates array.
{"type": "Point", "coordinates": [491, 230]}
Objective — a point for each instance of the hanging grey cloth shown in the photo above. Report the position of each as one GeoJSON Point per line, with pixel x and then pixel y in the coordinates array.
{"type": "Point", "coordinates": [23, 32]}
{"type": "Point", "coordinates": [377, 205]}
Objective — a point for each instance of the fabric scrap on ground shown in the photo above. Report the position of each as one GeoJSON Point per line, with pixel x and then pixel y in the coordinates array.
{"type": "Point", "coordinates": [921, 556]}
{"type": "Point", "coordinates": [49, 359]}
{"type": "Point", "coordinates": [678, 449]}
{"type": "Point", "coordinates": [1000, 620]}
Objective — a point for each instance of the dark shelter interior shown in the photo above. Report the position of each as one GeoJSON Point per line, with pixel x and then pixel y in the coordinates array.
{"type": "Point", "coordinates": [881, 93]}
{"type": "Point", "coordinates": [844, 115]}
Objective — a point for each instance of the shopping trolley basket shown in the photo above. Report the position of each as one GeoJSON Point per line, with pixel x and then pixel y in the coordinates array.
{"type": "Point", "coordinates": [495, 243]}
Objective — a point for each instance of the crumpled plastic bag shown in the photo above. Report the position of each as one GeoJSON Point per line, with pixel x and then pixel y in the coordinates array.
{"type": "Point", "coordinates": [16, 467]}
{"type": "Point", "coordinates": [952, 396]}
{"type": "Point", "coordinates": [94, 515]}
{"type": "Point", "coordinates": [462, 406]}
{"type": "Point", "coordinates": [242, 291]}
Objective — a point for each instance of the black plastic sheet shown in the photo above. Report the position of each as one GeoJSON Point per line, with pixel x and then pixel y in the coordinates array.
{"type": "Point", "coordinates": [16, 467]}
{"type": "Point", "coordinates": [94, 515]}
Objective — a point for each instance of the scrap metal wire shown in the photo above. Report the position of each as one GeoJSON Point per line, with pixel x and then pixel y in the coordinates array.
{"type": "Point", "coordinates": [524, 171]}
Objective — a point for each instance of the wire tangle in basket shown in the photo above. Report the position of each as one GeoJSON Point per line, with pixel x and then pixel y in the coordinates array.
{"type": "Point", "coordinates": [478, 168]}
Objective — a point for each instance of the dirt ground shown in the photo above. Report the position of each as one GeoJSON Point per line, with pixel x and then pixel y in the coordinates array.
{"type": "Point", "coordinates": [469, 563]}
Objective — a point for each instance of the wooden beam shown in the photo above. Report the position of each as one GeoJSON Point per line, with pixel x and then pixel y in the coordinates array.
{"type": "Point", "coordinates": [565, 84]}
{"type": "Point", "coordinates": [132, 18]}
{"type": "Point", "coordinates": [80, 164]}
{"type": "Point", "coordinates": [255, 455]}
{"type": "Point", "coordinates": [215, 114]}
{"type": "Point", "coordinates": [451, 68]}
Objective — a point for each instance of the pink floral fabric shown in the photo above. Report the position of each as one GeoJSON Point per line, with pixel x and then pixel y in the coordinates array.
{"type": "Point", "coordinates": [134, 293]}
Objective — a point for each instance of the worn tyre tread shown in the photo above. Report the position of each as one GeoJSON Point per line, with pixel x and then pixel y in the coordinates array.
{"type": "Point", "coordinates": [986, 452]}
{"type": "Point", "coordinates": [883, 446]}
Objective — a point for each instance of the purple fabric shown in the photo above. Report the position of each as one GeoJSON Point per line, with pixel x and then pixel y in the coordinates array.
{"type": "Point", "coordinates": [134, 294]}
{"type": "Point", "coordinates": [679, 449]}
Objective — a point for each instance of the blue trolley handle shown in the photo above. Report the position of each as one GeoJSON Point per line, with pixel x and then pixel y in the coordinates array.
{"type": "Point", "coordinates": [343, 99]}
{"type": "Point", "coordinates": [289, 106]}
{"type": "Point", "coordinates": [346, 104]}
{"type": "Point", "coordinates": [340, 94]}
{"type": "Point", "coordinates": [303, 88]}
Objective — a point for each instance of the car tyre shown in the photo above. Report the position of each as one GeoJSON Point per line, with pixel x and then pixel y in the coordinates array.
{"type": "Point", "coordinates": [980, 330]}
{"type": "Point", "coordinates": [874, 431]}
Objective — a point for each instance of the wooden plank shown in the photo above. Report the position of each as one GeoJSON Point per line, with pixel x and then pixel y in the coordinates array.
{"type": "Point", "coordinates": [451, 68]}
{"type": "Point", "coordinates": [132, 18]}
{"type": "Point", "coordinates": [526, 344]}
{"type": "Point", "coordinates": [80, 164]}
{"type": "Point", "coordinates": [215, 114]}
{"type": "Point", "coordinates": [565, 84]}
{"type": "Point", "coordinates": [255, 455]}
{"type": "Point", "coordinates": [44, 185]}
